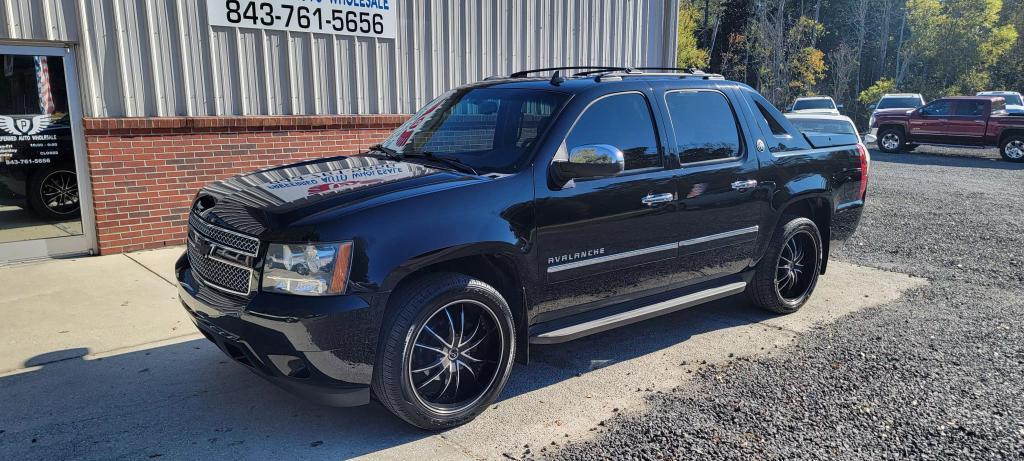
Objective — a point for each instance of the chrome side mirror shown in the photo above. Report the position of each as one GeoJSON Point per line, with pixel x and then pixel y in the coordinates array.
{"type": "Point", "coordinates": [590, 161]}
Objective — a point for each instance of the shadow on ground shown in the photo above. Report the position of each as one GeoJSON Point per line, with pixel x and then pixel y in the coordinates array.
{"type": "Point", "coordinates": [188, 400]}
{"type": "Point", "coordinates": [961, 158]}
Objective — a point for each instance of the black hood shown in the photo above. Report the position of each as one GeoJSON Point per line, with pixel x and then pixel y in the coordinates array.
{"type": "Point", "coordinates": [275, 198]}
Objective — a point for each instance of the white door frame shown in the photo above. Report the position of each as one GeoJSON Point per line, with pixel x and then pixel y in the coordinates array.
{"type": "Point", "coordinates": [76, 244]}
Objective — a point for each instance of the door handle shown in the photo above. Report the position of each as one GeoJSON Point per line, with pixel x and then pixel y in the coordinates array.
{"type": "Point", "coordinates": [744, 185]}
{"type": "Point", "coordinates": [654, 199]}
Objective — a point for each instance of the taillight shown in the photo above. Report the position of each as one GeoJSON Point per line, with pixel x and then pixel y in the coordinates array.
{"type": "Point", "coordinates": [865, 162]}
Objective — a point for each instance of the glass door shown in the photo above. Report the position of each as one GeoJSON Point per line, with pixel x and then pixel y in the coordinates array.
{"type": "Point", "coordinates": [45, 206]}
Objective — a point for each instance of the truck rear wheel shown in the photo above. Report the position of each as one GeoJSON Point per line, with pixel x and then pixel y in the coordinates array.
{"type": "Point", "coordinates": [447, 348]}
{"type": "Point", "coordinates": [891, 140]}
{"type": "Point", "coordinates": [786, 276]}
{"type": "Point", "coordinates": [1012, 148]}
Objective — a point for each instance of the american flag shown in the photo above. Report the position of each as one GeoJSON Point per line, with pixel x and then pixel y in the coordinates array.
{"type": "Point", "coordinates": [43, 85]}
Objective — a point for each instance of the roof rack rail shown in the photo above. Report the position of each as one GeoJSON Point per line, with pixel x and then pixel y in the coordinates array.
{"type": "Point", "coordinates": [684, 72]}
{"type": "Point", "coordinates": [524, 73]}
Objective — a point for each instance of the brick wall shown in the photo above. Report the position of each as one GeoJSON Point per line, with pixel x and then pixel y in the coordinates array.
{"type": "Point", "coordinates": [145, 171]}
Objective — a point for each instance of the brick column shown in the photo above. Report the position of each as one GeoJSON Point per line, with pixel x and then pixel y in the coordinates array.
{"type": "Point", "coordinates": [145, 171]}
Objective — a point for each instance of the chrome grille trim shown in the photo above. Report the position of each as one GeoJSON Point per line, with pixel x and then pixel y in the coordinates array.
{"type": "Point", "coordinates": [225, 266]}
{"type": "Point", "coordinates": [224, 237]}
{"type": "Point", "coordinates": [216, 274]}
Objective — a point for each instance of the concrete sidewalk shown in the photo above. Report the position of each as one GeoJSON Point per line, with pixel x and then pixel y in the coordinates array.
{"type": "Point", "coordinates": [61, 309]}
{"type": "Point", "coordinates": [100, 362]}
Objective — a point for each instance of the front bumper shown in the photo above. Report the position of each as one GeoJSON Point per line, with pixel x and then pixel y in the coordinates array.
{"type": "Point", "coordinates": [321, 348]}
{"type": "Point", "coordinates": [871, 136]}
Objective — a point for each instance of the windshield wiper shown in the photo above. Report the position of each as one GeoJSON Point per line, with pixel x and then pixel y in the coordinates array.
{"type": "Point", "coordinates": [451, 162]}
{"type": "Point", "coordinates": [391, 154]}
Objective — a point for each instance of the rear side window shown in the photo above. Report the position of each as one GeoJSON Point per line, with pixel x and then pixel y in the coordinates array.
{"type": "Point", "coordinates": [970, 108]}
{"type": "Point", "coordinates": [624, 121]}
{"type": "Point", "coordinates": [773, 124]}
{"type": "Point", "coordinates": [783, 137]}
{"type": "Point", "coordinates": [704, 124]}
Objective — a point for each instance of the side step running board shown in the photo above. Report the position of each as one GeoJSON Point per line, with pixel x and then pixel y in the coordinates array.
{"type": "Point", "coordinates": [580, 330]}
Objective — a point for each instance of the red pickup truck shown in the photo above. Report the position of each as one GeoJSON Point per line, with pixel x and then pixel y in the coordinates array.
{"type": "Point", "coordinates": [976, 121]}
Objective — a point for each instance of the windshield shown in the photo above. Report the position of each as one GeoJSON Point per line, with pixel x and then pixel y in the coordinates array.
{"type": "Point", "coordinates": [1013, 99]}
{"type": "Point", "coordinates": [489, 129]}
{"type": "Point", "coordinates": [899, 103]}
{"type": "Point", "coordinates": [824, 126]}
{"type": "Point", "coordinates": [813, 104]}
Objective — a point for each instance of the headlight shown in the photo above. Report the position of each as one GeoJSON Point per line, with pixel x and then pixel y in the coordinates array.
{"type": "Point", "coordinates": [871, 121]}
{"type": "Point", "coordinates": [308, 269]}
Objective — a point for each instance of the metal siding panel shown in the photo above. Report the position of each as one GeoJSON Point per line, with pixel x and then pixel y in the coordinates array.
{"type": "Point", "coordinates": [276, 72]}
{"type": "Point", "coordinates": [154, 57]}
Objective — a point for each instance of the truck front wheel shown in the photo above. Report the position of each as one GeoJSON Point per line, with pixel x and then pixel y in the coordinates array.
{"type": "Point", "coordinates": [891, 140]}
{"type": "Point", "coordinates": [1012, 148]}
{"type": "Point", "coordinates": [787, 274]}
{"type": "Point", "coordinates": [447, 348]}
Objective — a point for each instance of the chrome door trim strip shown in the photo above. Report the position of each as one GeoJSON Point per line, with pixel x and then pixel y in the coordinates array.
{"type": "Point", "coordinates": [611, 257]}
{"type": "Point", "coordinates": [624, 318]}
{"type": "Point", "coordinates": [649, 250]}
{"type": "Point", "coordinates": [708, 238]}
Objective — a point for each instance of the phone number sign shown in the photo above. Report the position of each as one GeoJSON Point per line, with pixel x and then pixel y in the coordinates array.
{"type": "Point", "coordinates": [364, 18]}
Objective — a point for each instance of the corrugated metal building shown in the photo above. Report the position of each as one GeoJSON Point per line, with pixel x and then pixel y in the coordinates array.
{"type": "Point", "coordinates": [152, 71]}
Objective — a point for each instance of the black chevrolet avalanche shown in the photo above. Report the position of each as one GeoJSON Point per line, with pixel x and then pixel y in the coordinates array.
{"type": "Point", "coordinates": [514, 211]}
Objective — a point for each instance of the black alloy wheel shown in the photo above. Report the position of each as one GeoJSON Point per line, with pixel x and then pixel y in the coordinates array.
{"type": "Point", "coordinates": [54, 194]}
{"type": "Point", "coordinates": [786, 275]}
{"type": "Point", "coordinates": [447, 348]}
{"type": "Point", "coordinates": [791, 279]}
{"type": "Point", "coordinates": [455, 356]}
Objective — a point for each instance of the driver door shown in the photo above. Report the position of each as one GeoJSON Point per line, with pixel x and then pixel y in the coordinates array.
{"type": "Point", "coordinates": [603, 239]}
{"type": "Point", "coordinates": [929, 122]}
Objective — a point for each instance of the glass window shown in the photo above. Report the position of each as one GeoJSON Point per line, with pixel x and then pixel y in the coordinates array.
{"type": "Point", "coordinates": [773, 124]}
{"type": "Point", "coordinates": [899, 103]}
{"type": "Point", "coordinates": [464, 125]}
{"type": "Point", "coordinates": [815, 125]}
{"type": "Point", "coordinates": [704, 124]}
{"type": "Point", "coordinates": [38, 179]}
{"type": "Point", "coordinates": [623, 121]}
{"type": "Point", "coordinates": [802, 104]}
{"type": "Point", "coordinates": [938, 108]}
{"type": "Point", "coordinates": [970, 108]}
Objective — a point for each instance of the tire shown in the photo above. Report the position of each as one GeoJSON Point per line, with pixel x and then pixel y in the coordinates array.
{"type": "Point", "coordinates": [53, 193]}
{"type": "Point", "coordinates": [1012, 148]}
{"type": "Point", "coordinates": [412, 352]}
{"type": "Point", "coordinates": [891, 140]}
{"type": "Point", "coordinates": [770, 288]}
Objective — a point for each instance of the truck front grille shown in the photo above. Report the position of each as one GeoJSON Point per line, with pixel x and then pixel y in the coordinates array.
{"type": "Point", "coordinates": [220, 258]}
{"type": "Point", "coordinates": [241, 242]}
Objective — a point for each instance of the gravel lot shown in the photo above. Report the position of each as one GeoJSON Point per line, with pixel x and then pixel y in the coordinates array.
{"type": "Point", "coordinates": [937, 374]}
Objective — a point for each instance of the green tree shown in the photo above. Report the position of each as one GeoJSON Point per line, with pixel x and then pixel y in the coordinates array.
{"type": "Point", "coordinates": [1007, 72]}
{"type": "Point", "coordinates": [689, 53]}
{"type": "Point", "coordinates": [873, 93]}
{"type": "Point", "coordinates": [806, 63]}
{"type": "Point", "coordinates": [955, 43]}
